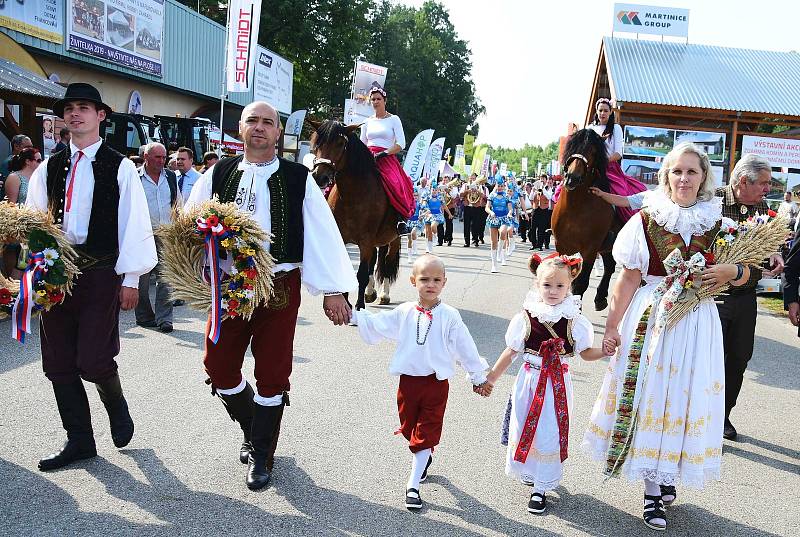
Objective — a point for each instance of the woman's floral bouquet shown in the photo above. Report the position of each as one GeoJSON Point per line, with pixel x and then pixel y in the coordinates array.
{"type": "Point", "coordinates": [215, 259]}
{"type": "Point", "coordinates": [749, 243]}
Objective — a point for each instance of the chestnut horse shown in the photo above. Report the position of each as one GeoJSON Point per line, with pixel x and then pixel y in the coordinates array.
{"type": "Point", "coordinates": [582, 222]}
{"type": "Point", "coordinates": [359, 203]}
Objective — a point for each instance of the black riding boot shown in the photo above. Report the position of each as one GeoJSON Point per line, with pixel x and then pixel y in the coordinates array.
{"type": "Point", "coordinates": [240, 409]}
{"type": "Point", "coordinates": [263, 435]}
{"type": "Point", "coordinates": [110, 392]}
{"type": "Point", "coordinates": [73, 406]}
{"type": "Point", "coordinates": [402, 228]}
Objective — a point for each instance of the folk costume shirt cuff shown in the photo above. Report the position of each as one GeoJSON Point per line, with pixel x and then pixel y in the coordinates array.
{"type": "Point", "coordinates": [137, 247]}
{"type": "Point", "coordinates": [466, 352]}
{"type": "Point", "coordinates": [326, 264]}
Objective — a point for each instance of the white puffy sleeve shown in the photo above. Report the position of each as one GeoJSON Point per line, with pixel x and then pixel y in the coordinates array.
{"type": "Point", "coordinates": [201, 190]}
{"type": "Point", "coordinates": [326, 263]}
{"type": "Point", "coordinates": [375, 327]}
{"type": "Point", "coordinates": [582, 334]}
{"type": "Point", "coordinates": [617, 140]}
{"type": "Point", "coordinates": [464, 350]}
{"type": "Point", "coordinates": [517, 332]}
{"type": "Point", "coordinates": [630, 248]}
{"type": "Point", "coordinates": [399, 135]}
{"type": "Point", "coordinates": [363, 134]}
{"type": "Point", "coordinates": [137, 247]}
{"type": "Point", "coordinates": [37, 188]}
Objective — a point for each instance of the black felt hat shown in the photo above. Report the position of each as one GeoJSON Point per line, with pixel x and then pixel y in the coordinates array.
{"type": "Point", "coordinates": [80, 91]}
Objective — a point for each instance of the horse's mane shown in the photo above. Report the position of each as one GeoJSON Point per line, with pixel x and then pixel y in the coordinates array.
{"type": "Point", "coordinates": [360, 162]}
{"type": "Point", "coordinates": [586, 142]}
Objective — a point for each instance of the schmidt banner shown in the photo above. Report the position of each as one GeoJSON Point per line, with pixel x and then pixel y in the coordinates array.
{"type": "Point", "coordinates": [273, 80]}
{"type": "Point", "coordinates": [637, 19]}
{"type": "Point", "coordinates": [125, 32]}
{"type": "Point", "coordinates": [243, 20]}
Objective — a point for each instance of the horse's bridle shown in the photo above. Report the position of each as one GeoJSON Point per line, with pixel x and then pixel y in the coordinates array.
{"type": "Point", "coordinates": [576, 156]}
{"type": "Point", "coordinates": [331, 163]}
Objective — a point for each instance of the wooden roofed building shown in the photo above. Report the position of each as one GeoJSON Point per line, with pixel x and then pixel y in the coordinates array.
{"type": "Point", "coordinates": [710, 95]}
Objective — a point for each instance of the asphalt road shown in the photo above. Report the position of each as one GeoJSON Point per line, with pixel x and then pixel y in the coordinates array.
{"type": "Point", "coordinates": [340, 470]}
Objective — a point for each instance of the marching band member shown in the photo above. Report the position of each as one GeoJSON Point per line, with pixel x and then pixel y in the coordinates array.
{"type": "Point", "coordinates": [498, 207]}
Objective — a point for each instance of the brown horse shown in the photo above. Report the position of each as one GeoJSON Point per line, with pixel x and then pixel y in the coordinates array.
{"type": "Point", "coordinates": [582, 222]}
{"type": "Point", "coordinates": [359, 203]}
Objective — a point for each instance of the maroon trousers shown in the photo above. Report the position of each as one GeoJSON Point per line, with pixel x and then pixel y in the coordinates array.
{"type": "Point", "coordinates": [80, 336]}
{"type": "Point", "coordinates": [270, 335]}
{"type": "Point", "coordinates": [421, 402]}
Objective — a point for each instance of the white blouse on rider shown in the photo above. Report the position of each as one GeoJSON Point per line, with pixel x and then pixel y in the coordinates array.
{"type": "Point", "coordinates": [613, 142]}
{"type": "Point", "coordinates": [384, 132]}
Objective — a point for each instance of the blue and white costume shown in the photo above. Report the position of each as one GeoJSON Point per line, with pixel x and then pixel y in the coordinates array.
{"type": "Point", "coordinates": [499, 202]}
{"type": "Point", "coordinates": [434, 205]}
{"type": "Point", "coordinates": [514, 192]}
{"type": "Point", "coordinates": [414, 222]}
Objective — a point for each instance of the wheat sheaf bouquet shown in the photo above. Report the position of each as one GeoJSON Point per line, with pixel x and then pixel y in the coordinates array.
{"type": "Point", "coordinates": [49, 265]}
{"type": "Point", "coordinates": [202, 240]}
{"type": "Point", "coordinates": [748, 243]}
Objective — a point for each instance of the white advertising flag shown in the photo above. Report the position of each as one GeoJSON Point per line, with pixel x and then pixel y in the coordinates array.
{"type": "Point", "coordinates": [487, 159]}
{"type": "Point", "coordinates": [243, 20]}
{"type": "Point", "coordinates": [417, 152]}
{"type": "Point", "coordinates": [524, 165]}
{"type": "Point", "coordinates": [295, 122]}
{"type": "Point", "coordinates": [431, 168]}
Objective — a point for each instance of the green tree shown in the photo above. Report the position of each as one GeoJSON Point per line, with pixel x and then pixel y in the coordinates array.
{"type": "Point", "coordinates": [429, 69]}
{"type": "Point", "coordinates": [535, 153]}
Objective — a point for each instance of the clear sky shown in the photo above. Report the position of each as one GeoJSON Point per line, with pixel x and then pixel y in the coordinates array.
{"type": "Point", "coordinates": [534, 61]}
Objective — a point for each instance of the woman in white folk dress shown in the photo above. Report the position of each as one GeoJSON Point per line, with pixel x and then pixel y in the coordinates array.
{"type": "Point", "coordinates": [660, 411]}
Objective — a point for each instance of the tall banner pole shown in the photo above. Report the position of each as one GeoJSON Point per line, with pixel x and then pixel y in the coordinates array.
{"type": "Point", "coordinates": [224, 93]}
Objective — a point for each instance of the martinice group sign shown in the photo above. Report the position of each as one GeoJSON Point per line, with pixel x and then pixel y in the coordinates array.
{"type": "Point", "coordinates": [40, 18]}
{"type": "Point", "coordinates": [780, 152]}
{"type": "Point", "coordinates": [125, 32]}
{"type": "Point", "coordinates": [637, 19]}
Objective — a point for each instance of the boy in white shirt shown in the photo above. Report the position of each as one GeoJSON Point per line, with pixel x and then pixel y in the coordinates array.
{"type": "Point", "coordinates": [431, 337]}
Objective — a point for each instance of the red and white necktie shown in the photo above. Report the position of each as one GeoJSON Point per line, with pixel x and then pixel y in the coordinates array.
{"type": "Point", "coordinates": [68, 201]}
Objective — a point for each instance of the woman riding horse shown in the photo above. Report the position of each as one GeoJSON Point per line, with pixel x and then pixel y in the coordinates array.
{"type": "Point", "coordinates": [360, 204]}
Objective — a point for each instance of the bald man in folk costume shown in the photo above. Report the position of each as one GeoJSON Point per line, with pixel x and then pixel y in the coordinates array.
{"type": "Point", "coordinates": [284, 199]}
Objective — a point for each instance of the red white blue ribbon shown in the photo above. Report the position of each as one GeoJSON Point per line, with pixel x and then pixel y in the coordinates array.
{"type": "Point", "coordinates": [212, 233]}
{"type": "Point", "coordinates": [23, 306]}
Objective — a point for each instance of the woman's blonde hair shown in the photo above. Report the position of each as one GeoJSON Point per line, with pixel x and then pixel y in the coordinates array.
{"type": "Point", "coordinates": [707, 187]}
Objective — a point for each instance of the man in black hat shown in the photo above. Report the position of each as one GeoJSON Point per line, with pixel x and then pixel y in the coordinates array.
{"type": "Point", "coordinates": [96, 197]}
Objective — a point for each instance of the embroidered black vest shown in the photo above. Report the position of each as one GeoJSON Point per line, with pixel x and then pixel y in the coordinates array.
{"type": "Point", "coordinates": [102, 240]}
{"type": "Point", "coordinates": [661, 243]}
{"type": "Point", "coordinates": [287, 189]}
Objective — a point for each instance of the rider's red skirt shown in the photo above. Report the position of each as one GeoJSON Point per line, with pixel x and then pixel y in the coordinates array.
{"type": "Point", "coordinates": [396, 183]}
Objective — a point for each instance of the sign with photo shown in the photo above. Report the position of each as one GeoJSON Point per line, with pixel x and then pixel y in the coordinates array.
{"type": "Point", "coordinates": [638, 19]}
{"type": "Point", "coordinates": [646, 171]}
{"type": "Point", "coordinates": [273, 80]}
{"type": "Point", "coordinates": [780, 152]}
{"type": "Point", "coordinates": [124, 32]}
{"type": "Point", "coordinates": [648, 141]}
{"type": "Point", "coordinates": [366, 75]}
{"type": "Point", "coordinates": [40, 18]}
{"type": "Point", "coordinates": [713, 143]}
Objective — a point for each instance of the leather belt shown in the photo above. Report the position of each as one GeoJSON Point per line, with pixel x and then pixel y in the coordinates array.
{"type": "Point", "coordinates": [86, 261]}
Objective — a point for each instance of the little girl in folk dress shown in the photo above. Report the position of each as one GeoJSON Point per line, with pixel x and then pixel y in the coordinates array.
{"type": "Point", "coordinates": [548, 331]}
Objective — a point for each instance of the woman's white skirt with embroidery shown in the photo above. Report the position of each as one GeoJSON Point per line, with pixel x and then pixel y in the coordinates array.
{"type": "Point", "coordinates": [677, 437]}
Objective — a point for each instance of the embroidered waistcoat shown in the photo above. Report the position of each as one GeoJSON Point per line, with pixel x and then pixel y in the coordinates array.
{"type": "Point", "coordinates": [287, 189]}
{"type": "Point", "coordinates": [538, 334]}
{"type": "Point", "coordinates": [660, 243]}
{"type": "Point", "coordinates": [102, 238]}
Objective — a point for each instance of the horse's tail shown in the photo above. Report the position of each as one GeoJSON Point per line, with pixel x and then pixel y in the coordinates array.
{"type": "Point", "coordinates": [388, 265]}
